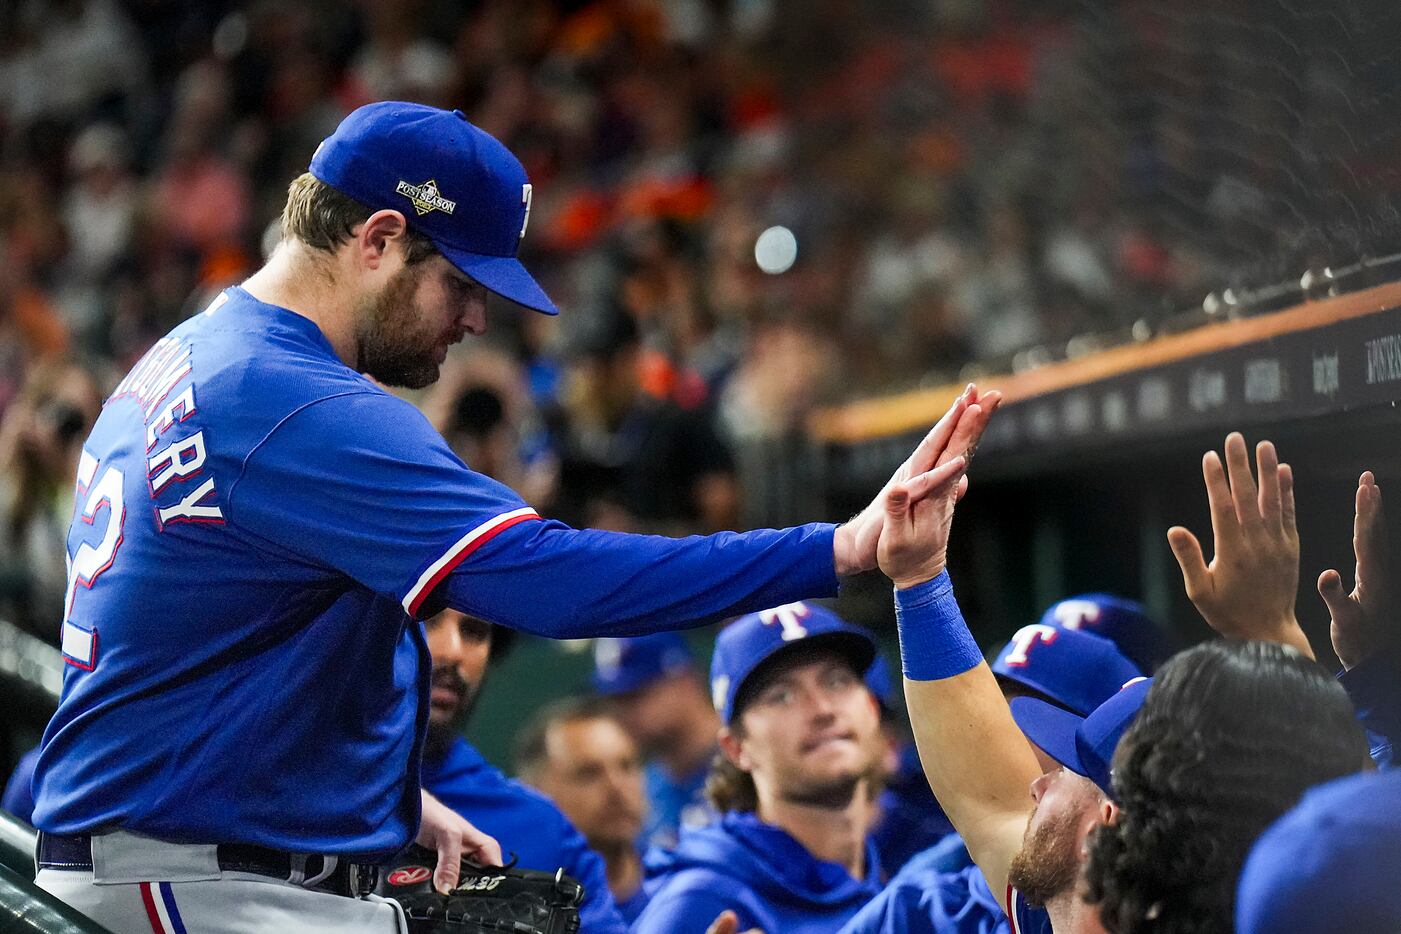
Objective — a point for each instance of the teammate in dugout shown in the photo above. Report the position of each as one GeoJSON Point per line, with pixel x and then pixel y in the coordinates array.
{"type": "Point", "coordinates": [259, 526]}
{"type": "Point", "coordinates": [1228, 736]}
{"type": "Point", "coordinates": [530, 825]}
{"type": "Point", "coordinates": [800, 748]}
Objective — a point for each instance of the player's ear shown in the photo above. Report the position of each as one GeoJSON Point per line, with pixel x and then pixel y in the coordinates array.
{"type": "Point", "coordinates": [382, 233]}
{"type": "Point", "coordinates": [732, 747]}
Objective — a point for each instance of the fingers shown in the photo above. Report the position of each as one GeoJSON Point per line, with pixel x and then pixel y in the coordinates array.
{"type": "Point", "coordinates": [727, 923]}
{"type": "Point", "coordinates": [970, 428]}
{"type": "Point", "coordinates": [1330, 588]}
{"type": "Point", "coordinates": [1286, 501]}
{"type": "Point", "coordinates": [1188, 552]}
{"type": "Point", "coordinates": [961, 489]}
{"type": "Point", "coordinates": [1244, 496]}
{"type": "Point", "coordinates": [1368, 529]}
{"type": "Point", "coordinates": [481, 848]}
{"type": "Point", "coordinates": [1224, 523]}
{"type": "Point", "coordinates": [449, 862]}
{"type": "Point", "coordinates": [1267, 468]}
{"type": "Point", "coordinates": [897, 509]}
{"type": "Point", "coordinates": [942, 479]}
{"type": "Point", "coordinates": [928, 450]}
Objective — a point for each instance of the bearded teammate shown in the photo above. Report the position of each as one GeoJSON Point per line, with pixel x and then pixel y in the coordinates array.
{"type": "Point", "coordinates": [258, 528]}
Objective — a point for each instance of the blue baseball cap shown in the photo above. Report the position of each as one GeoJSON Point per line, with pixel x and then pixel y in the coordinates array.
{"type": "Point", "coordinates": [1124, 622]}
{"type": "Point", "coordinates": [750, 641]}
{"type": "Point", "coordinates": [1076, 670]}
{"type": "Point", "coordinates": [878, 680]}
{"type": "Point", "coordinates": [1084, 745]}
{"type": "Point", "coordinates": [623, 665]}
{"type": "Point", "coordinates": [454, 182]}
{"type": "Point", "coordinates": [1332, 864]}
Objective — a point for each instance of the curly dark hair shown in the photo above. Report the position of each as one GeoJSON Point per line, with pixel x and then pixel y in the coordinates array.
{"type": "Point", "coordinates": [1229, 737]}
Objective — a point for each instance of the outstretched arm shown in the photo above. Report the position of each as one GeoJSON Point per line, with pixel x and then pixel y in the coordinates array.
{"type": "Point", "coordinates": [549, 579]}
{"type": "Point", "coordinates": [978, 763]}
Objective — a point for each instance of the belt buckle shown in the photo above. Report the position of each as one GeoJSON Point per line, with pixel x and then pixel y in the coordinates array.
{"type": "Point", "coordinates": [363, 877]}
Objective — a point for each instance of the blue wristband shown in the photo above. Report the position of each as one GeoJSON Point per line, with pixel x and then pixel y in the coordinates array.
{"type": "Point", "coordinates": [934, 640]}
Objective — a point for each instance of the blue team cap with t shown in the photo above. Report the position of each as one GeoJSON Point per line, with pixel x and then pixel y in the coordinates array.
{"type": "Point", "coordinates": [1082, 744]}
{"type": "Point", "coordinates": [624, 665]}
{"type": "Point", "coordinates": [454, 182]}
{"type": "Point", "coordinates": [1124, 622]}
{"type": "Point", "coordinates": [750, 641]}
{"type": "Point", "coordinates": [1332, 864]}
{"type": "Point", "coordinates": [1074, 669]}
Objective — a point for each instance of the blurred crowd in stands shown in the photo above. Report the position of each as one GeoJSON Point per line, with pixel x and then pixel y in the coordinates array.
{"type": "Point", "coordinates": [963, 180]}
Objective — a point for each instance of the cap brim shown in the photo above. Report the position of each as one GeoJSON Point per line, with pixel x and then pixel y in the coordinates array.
{"type": "Point", "coordinates": [503, 275]}
{"type": "Point", "coordinates": [1051, 728]}
{"type": "Point", "coordinates": [858, 648]}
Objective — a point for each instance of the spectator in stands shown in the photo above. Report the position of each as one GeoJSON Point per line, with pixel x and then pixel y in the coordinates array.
{"type": "Point", "coordinates": [41, 437]}
{"type": "Point", "coordinates": [661, 700]}
{"type": "Point", "coordinates": [525, 822]}
{"type": "Point", "coordinates": [799, 751]}
{"type": "Point", "coordinates": [579, 755]}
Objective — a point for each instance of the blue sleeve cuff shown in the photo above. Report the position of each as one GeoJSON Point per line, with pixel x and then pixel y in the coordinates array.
{"type": "Point", "coordinates": [934, 640]}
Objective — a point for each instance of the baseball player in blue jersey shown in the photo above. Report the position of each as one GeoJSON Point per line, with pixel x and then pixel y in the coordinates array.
{"type": "Point", "coordinates": [527, 823]}
{"type": "Point", "coordinates": [662, 700]}
{"type": "Point", "coordinates": [258, 526]}
{"type": "Point", "coordinates": [801, 740]}
{"type": "Point", "coordinates": [940, 889]}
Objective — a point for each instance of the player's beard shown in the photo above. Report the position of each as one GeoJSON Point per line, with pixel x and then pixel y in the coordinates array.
{"type": "Point", "coordinates": [441, 734]}
{"type": "Point", "coordinates": [1046, 866]}
{"type": "Point", "coordinates": [395, 344]}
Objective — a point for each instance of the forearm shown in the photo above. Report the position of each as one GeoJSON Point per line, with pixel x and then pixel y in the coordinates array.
{"type": "Point", "coordinates": [552, 580]}
{"type": "Point", "coordinates": [978, 763]}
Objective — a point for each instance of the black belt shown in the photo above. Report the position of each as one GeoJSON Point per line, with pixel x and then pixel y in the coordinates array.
{"type": "Point", "coordinates": [323, 873]}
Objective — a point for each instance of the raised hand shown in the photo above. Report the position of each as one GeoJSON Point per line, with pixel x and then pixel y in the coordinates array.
{"type": "Point", "coordinates": [914, 539]}
{"type": "Point", "coordinates": [1249, 588]}
{"type": "Point", "coordinates": [956, 434]}
{"type": "Point", "coordinates": [1361, 618]}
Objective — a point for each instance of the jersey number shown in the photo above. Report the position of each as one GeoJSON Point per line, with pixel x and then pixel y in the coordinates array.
{"type": "Point", "coordinates": [89, 562]}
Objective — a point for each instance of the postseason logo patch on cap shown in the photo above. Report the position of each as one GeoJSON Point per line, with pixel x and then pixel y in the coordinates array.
{"type": "Point", "coordinates": [425, 197]}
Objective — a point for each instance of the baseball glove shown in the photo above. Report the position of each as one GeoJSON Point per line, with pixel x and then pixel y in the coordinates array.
{"type": "Point", "coordinates": [487, 900]}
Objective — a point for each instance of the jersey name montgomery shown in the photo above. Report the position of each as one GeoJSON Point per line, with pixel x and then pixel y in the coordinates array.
{"type": "Point", "coordinates": [160, 384]}
{"type": "Point", "coordinates": [174, 457]}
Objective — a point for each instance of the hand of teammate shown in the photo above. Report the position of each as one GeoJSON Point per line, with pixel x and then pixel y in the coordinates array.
{"type": "Point", "coordinates": [1359, 618]}
{"type": "Point", "coordinates": [728, 923]}
{"type": "Point", "coordinates": [1249, 588]}
{"type": "Point", "coordinates": [453, 837]}
{"type": "Point", "coordinates": [915, 537]}
{"type": "Point", "coordinates": [957, 433]}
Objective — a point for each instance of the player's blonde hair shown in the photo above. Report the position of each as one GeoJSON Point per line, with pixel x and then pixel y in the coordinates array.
{"type": "Point", "coordinates": [323, 218]}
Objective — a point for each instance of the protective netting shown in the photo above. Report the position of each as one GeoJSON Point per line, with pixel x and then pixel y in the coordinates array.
{"type": "Point", "coordinates": [1079, 167]}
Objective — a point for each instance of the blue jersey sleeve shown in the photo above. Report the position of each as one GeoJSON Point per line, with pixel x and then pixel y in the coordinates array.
{"type": "Point", "coordinates": [549, 579]}
{"type": "Point", "coordinates": [360, 483]}
{"type": "Point", "coordinates": [1374, 686]}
